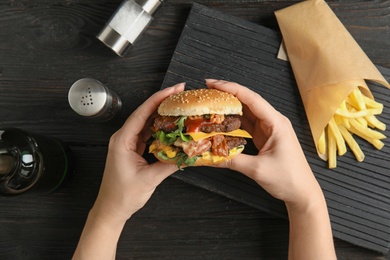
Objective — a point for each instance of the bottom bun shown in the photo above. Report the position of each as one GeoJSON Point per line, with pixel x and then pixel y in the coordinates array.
{"type": "Point", "coordinates": [207, 158]}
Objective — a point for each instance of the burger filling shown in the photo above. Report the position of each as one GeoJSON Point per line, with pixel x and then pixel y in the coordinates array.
{"type": "Point", "coordinates": [174, 143]}
{"type": "Point", "coordinates": [206, 124]}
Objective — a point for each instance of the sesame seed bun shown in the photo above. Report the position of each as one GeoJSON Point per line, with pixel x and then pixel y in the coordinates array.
{"type": "Point", "coordinates": [200, 102]}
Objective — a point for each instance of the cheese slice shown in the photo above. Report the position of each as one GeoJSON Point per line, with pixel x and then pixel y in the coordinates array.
{"type": "Point", "coordinates": [237, 133]}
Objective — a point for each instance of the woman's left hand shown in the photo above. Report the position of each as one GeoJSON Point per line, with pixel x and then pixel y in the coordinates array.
{"type": "Point", "coordinates": [128, 181]}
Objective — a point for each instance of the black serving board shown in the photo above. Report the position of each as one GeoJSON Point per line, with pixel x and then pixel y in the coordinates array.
{"type": "Point", "coordinates": [220, 46]}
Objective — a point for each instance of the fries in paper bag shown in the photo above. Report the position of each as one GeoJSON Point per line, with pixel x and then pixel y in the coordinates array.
{"type": "Point", "coordinates": [330, 69]}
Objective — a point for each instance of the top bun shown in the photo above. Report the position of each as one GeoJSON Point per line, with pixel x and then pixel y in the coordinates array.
{"type": "Point", "coordinates": [200, 102]}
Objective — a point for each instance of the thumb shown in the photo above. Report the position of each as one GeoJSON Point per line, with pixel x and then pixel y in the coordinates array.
{"type": "Point", "coordinates": [249, 165]}
{"type": "Point", "coordinates": [159, 171]}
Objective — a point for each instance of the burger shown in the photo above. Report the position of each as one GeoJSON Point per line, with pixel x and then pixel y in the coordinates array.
{"type": "Point", "coordinates": [198, 127]}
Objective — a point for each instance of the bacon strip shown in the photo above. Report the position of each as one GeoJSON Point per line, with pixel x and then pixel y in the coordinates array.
{"type": "Point", "coordinates": [219, 146]}
{"type": "Point", "coordinates": [217, 119]}
{"type": "Point", "coordinates": [194, 148]}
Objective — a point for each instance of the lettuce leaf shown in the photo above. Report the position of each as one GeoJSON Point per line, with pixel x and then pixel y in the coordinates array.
{"type": "Point", "coordinates": [184, 159]}
{"type": "Point", "coordinates": [181, 158]}
{"type": "Point", "coordinates": [170, 138]}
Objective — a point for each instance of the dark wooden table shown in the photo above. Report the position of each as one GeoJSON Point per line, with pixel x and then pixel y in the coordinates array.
{"type": "Point", "coordinates": [46, 45]}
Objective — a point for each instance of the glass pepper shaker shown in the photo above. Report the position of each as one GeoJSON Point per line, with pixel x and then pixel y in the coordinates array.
{"type": "Point", "coordinates": [92, 99]}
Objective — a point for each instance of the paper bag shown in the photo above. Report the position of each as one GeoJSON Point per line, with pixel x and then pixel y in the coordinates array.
{"type": "Point", "coordinates": [327, 62]}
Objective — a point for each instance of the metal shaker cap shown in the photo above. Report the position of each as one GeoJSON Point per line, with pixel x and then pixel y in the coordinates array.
{"type": "Point", "coordinates": [127, 24]}
{"type": "Point", "coordinates": [90, 98]}
{"type": "Point", "coordinates": [150, 6]}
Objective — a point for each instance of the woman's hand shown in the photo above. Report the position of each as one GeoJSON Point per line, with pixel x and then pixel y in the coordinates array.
{"type": "Point", "coordinates": [128, 182]}
{"type": "Point", "coordinates": [280, 167]}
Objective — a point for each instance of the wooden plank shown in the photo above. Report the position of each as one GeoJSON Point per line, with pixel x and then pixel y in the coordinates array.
{"type": "Point", "coordinates": [216, 45]}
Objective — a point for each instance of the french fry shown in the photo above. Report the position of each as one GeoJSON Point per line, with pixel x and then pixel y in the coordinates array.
{"type": "Point", "coordinates": [340, 143]}
{"type": "Point", "coordinates": [359, 155]}
{"type": "Point", "coordinates": [343, 107]}
{"type": "Point", "coordinates": [364, 132]}
{"type": "Point", "coordinates": [377, 143]}
{"type": "Point", "coordinates": [332, 157]}
{"type": "Point", "coordinates": [322, 144]}
{"type": "Point", "coordinates": [356, 115]}
{"type": "Point", "coordinates": [372, 103]}
{"type": "Point", "coordinates": [362, 122]}
{"type": "Point", "coordinates": [351, 102]}
{"type": "Point", "coordinates": [375, 123]}
{"type": "Point", "coordinates": [358, 96]}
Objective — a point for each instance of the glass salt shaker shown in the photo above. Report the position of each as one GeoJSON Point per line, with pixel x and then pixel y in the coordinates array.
{"type": "Point", "coordinates": [127, 24]}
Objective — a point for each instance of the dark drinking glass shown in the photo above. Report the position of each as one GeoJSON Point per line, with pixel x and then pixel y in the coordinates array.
{"type": "Point", "coordinates": [32, 163]}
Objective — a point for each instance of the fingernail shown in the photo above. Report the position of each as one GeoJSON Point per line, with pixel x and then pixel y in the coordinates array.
{"type": "Point", "coordinates": [211, 80]}
{"type": "Point", "coordinates": [179, 86]}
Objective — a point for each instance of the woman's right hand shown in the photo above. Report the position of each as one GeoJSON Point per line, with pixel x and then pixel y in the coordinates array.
{"type": "Point", "coordinates": [280, 166]}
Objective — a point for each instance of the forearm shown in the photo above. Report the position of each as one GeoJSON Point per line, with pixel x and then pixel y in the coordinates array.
{"type": "Point", "coordinates": [99, 238]}
{"type": "Point", "coordinates": [310, 231]}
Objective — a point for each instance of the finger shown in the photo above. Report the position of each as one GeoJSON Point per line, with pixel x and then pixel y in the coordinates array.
{"type": "Point", "coordinates": [140, 148]}
{"type": "Point", "coordinates": [258, 105]}
{"type": "Point", "coordinates": [244, 163]}
{"type": "Point", "coordinates": [137, 120]}
{"type": "Point", "coordinates": [248, 113]}
{"type": "Point", "coordinates": [146, 132]}
{"type": "Point", "coordinates": [248, 125]}
{"type": "Point", "coordinates": [159, 171]}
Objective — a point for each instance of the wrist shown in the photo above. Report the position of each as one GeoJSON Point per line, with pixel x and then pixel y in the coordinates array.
{"type": "Point", "coordinates": [310, 229]}
{"type": "Point", "coordinates": [100, 236]}
{"type": "Point", "coordinates": [307, 195]}
{"type": "Point", "coordinates": [310, 207]}
{"type": "Point", "coordinates": [308, 201]}
{"type": "Point", "coordinates": [105, 218]}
